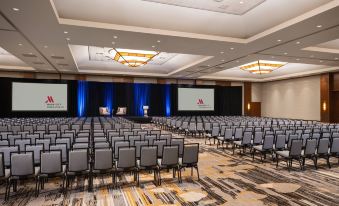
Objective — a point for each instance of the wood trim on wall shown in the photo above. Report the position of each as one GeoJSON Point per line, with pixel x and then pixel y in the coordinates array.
{"type": "Point", "coordinates": [325, 98]}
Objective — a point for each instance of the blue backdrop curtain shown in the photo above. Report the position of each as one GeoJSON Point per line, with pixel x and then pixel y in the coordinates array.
{"type": "Point", "coordinates": [82, 98]}
{"type": "Point", "coordinates": [108, 96]}
{"type": "Point", "coordinates": [167, 93]}
{"type": "Point", "coordinates": [141, 98]}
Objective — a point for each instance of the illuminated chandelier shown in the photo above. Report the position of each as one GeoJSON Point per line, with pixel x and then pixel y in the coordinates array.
{"type": "Point", "coordinates": [262, 66]}
{"type": "Point", "coordinates": [132, 58]}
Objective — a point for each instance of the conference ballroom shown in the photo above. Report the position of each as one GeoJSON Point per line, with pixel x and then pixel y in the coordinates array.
{"type": "Point", "coordinates": [169, 102]}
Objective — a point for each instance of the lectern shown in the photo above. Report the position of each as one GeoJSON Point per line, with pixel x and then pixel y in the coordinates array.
{"type": "Point", "coordinates": [145, 107]}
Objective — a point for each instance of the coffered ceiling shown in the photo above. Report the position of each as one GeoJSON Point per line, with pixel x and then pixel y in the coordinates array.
{"type": "Point", "coordinates": [203, 39]}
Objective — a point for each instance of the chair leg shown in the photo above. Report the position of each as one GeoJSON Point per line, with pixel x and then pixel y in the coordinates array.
{"type": "Point", "coordinates": [37, 186]}
{"type": "Point", "coordinates": [316, 162]}
{"type": "Point", "coordinates": [8, 189]}
{"type": "Point", "coordinates": [159, 177]}
{"type": "Point", "coordinates": [301, 164]}
{"type": "Point", "coordinates": [196, 167]}
{"type": "Point", "coordinates": [328, 162]}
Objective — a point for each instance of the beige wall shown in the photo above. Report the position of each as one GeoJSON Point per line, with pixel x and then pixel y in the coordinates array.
{"type": "Point", "coordinates": [294, 98]}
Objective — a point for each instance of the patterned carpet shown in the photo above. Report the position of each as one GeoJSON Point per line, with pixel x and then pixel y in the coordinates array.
{"type": "Point", "coordinates": [225, 179]}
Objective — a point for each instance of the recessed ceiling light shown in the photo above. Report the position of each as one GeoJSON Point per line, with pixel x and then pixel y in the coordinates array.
{"type": "Point", "coordinates": [30, 53]}
{"type": "Point", "coordinates": [321, 61]}
{"type": "Point", "coordinates": [68, 39]}
{"type": "Point", "coordinates": [241, 2]}
{"type": "Point", "coordinates": [285, 53]}
{"type": "Point", "coordinates": [15, 9]}
{"type": "Point", "coordinates": [222, 60]}
{"type": "Point", "coordinates": [279, 40]}
{"type": "Point", "coordinates": [237, 61]}
{"type": "Point", "coordinates": [208, 65]}
{"type": "Point", "coordinates": [65, 32]}
{"type": "Point", "coordinates": [113, 42]}
{"type": "Point", "coordinates": [319, 26]}
{"type": "Point", "coordinates": [231, 48]}
{"type": "Point", "coordinates": [45, 46]}
{"type": "Point", "coordinates": [336, 58]}
{"type": "Point", "coordinates": [20, 44]}
{"type": "Point", "coordinates": [312, 56]}
{"type": "Point", "coordinates": [297, 59]}
{"type": "Point", "coordinates": [115, 37]}
{"type": "Point", "coordinates": [298, 42]}
{"type": "Point", "coordinates": [158, 41]}
{"type": "Point", "coordinates": [222, 52]}
{"type": "Point", "coordinates": [153, 46]}
{"type": "Point", "coordinates": [272, 57]}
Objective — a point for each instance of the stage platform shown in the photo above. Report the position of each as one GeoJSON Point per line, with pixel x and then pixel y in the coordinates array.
{"type": "Point", "coordinates": [138, 119]}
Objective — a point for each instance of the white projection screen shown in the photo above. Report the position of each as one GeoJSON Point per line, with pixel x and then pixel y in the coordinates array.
{"type": "Point", "coordinates": [195, 99]}
{"type": "Point", "coordinates": [39, 97]}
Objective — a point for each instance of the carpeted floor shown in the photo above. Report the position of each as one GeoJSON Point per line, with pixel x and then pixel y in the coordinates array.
{"type": "Point", "coordinates": [225, 179]}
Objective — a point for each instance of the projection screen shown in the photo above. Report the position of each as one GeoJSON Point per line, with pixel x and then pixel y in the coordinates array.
{"type": "Point", "coordinates": [39, 97]}
{"type": "Point", "coordinates": [195, 99]}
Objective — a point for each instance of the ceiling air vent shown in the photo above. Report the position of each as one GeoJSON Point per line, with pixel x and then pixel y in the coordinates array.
{"type": "Point", "coordinates": [62, 64]}
{"type": "Point", "coordinates": [38, 63]}
{"type": "Point", "coordinates": [29, 55]}
{"type": "Point", "coordinates": [57, 57]}
{"type": "Point", "coordinates": [204, 66]}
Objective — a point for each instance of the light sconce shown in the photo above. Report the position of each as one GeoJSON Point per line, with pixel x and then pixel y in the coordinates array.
{"type": "Point", "coordinates": [248, 106]}
{"type": "Point", "coordinates": [324, 106]}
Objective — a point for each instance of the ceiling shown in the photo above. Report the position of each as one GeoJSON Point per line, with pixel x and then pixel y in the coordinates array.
{"type": "Point", "coordinates": [200, 39]}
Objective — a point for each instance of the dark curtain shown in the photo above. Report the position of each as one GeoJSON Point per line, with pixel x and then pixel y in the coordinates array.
{"type": "Point", "coordinates": [161, 98]}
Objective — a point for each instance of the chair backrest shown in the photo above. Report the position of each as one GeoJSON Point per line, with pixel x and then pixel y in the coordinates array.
{"type": "Point", "coordinates": [291, 138]}
{"type": "Point", "coordinates": [113, 139]}
{"type": "Point", "coordinates": [156, 132]}
{"type": "Point", "coordinates": [117, 145]}
{"type": "Point", "coordinates": [82, 145]}
{"type": "Point", "coordinates": [46, 142]}
{"type": "Point", "coordinates": [22, 164]}
{"type": "Point", "coordinates": [103, 159]}
{"type": "Point", "coordinates": [335, 146]}
{"type": "Point", "coordinates": [200, 126]}
{"type": "Point", "coordinates": [170, 155]}
{"type": "Point", "coordinates": [98, 145]}
{"type": "Point", "coordinates": [68, 135]}
{"type": "Point", "coordinates": [238, 133]}
{"type": "Point", "coordinates": [4, 142]}
{"type": "Point", "coordinates": [51, 162]}
{"type": "Point", "coordinates": [64, 140]}
{"type": "Point", "coordinates": [2, 165]}
{"type": "Point", "coordinates": [280, 142]}
{"type": "Point", "coordinates": [126, 157]}
{"type": "Point", "coordinates": [311, 146]}
{"type": "Point", "coordinates": [63, 148]}
{"type": "Point", "coordinates": [268, 142]}
{"type": "Point", "coordinates": [33, 137]}
{"type": "Point", "coordinates": [296, 147]}
{"type": "Point", "coordinates": [133, 138]}
{"type": "Point", "coordinates": [50, 136]}
{"type": "Point", "coordinates": [21, 143]}
{"type": "Point", "coordinates": [323, 145]}
{"type": "Point", "coordinates": [160, 143]}
{"type": "Point", "coordinates": [142, 134]}
{"type": "Point", "coordinates": [191, 154]}
{"type": "Point", "coordinates": [258, 137]}
{"type": "Point", "coordinates": [148, 156]}
{"type": "Point", "coordinates": [7, 150]}
{"type": "Point", "coordinates": [78, 160]}
{"type": "Point", "coordinates": [138, 144]}
{"type": "Point", "coordinates": [36, 151]}
{"type": "Point", "coordinates": [127, 134]}
{"type": "Point", "coordinates": [150, 138]}
{"type": "Point", "coordinates": [246, 140]}
{"type": "Point", "coordinates": [168, 138]}
{"type": "Point", "coordinates": [215, 131]}
{"type": "Point", "coordinates": [12, 137]}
